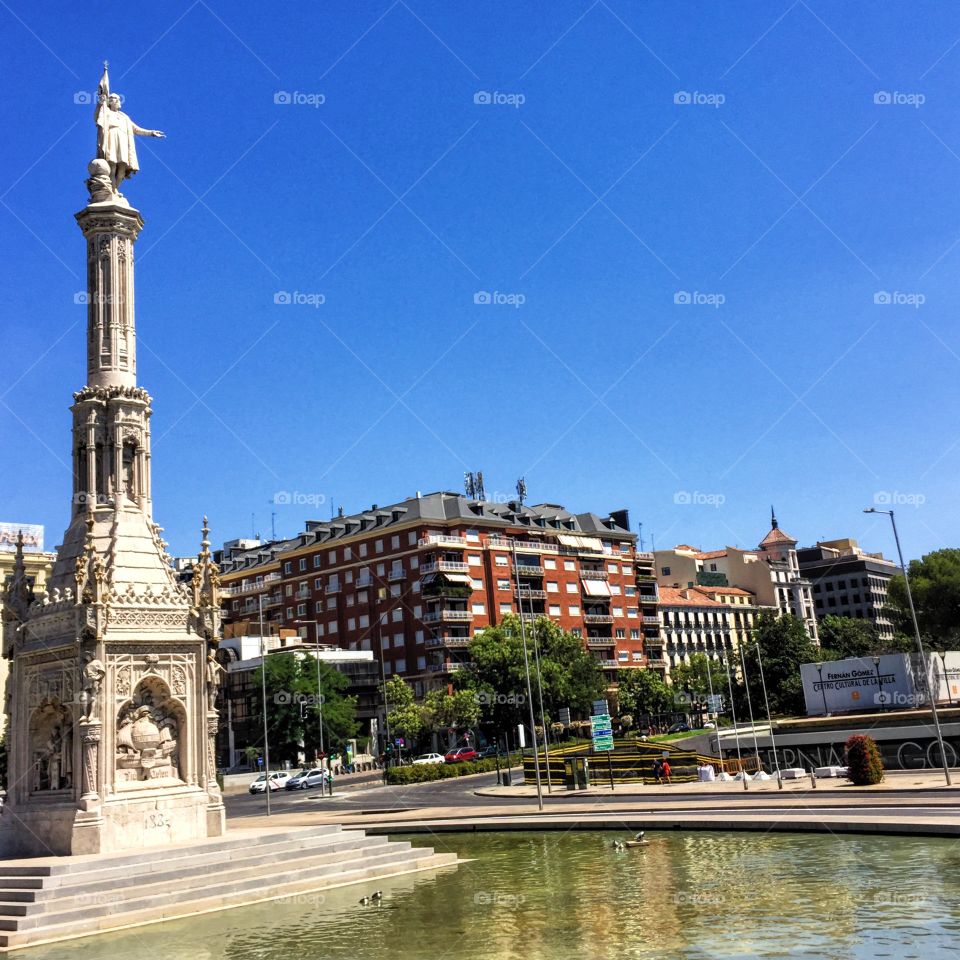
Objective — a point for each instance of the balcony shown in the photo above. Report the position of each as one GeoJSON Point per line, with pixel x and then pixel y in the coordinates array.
{"type": "Point", "coordinates": [333, 588]}
{"type": "Point", "coordinates": [451, 643]}
{"type": "Point", "coordinates": [395, 575]}
{"type": "Point", "coordinates": [528, 570]}
{"type": "Point", "coordinates": [449, 616]}
{"type": "Point", "coordinates": [524, 546]}
{"type": "Point", "coordinates": [594, 574]}
{"type": "Point", "coordinates": [657, 663]}
{"type": "Point", "coordinates": [238, 590]}
{"type": "Point", "coordinates": [274, 600]}
{"type": "Point", "coordinates": [444, 566]}
{"type": "Point", "coordinates": [528, 593]}
{"type": "Point", "coordinates": [651, 621]}
{"type": "Point", "coordinates": [644, 555]}
{"type": "Point", "coordinates": [599, 642]}
{"type": "Point", "coordinates": [442, 540]}
{"type": "Point", "coordinates": [597, 618]}
{"type": "Point", "coordinates": [448, 666]}
{"type": "Point", "coordinates": [609, 664]}
{"type": "Point", "coordinates": [362, 582]}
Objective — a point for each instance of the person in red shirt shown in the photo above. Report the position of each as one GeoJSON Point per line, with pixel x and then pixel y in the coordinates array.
{"type": "Point", "coordinates": [665, 771]}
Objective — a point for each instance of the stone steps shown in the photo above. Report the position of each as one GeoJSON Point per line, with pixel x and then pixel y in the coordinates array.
{"type": "Point", "coordinates": [71, 897]}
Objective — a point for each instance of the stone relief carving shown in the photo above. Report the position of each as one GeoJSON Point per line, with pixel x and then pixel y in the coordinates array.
{"type": "Point", "coordinates": [51, 747]}
{"type": "Point", "coordinates": [93, 674]}
{"type": "Point", "coordinates": [149, 727]}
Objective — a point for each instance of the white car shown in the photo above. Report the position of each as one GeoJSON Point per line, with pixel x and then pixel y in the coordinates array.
{"type": "Point", "coordinates": [429, 758]}
{"type": "Point", "coordinates": [278, 779]}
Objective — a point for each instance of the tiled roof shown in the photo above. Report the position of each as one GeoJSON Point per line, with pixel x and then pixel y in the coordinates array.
{"type": "Point", "coordinates": [735, 591]}
{"type": "Point", "coordinates": [776, 535]}
{"type": "Point", "coordinates": [711, 555]}
{"type": "Point", "coordinates": [686, 597]}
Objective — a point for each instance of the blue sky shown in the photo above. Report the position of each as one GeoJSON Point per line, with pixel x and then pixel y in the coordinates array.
{"type": "Point", "coordinates": [777, 196]}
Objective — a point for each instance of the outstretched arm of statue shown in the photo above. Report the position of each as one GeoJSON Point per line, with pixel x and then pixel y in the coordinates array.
{"type": "Point", "coordinates": [140, 132]}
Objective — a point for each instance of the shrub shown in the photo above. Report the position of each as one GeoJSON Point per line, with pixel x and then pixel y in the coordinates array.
{"type": "Point", "coordinates": [426, 772]}
{"type": "Point", "coordinates": [863, 760]}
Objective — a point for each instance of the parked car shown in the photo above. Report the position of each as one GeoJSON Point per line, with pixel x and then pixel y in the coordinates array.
{"type": "Point", "coordinates": [278, 779]}
{"type": "Point", "coordinates": [490, 752]}
{"type": "Point", "coordinates": [679, 728]}
{"type": "Point", "coordinates": [312, 777]}
{"type": "Point", "coordinates": [461, 753]}
{"type": "Point", "coordinates": [427, 758]}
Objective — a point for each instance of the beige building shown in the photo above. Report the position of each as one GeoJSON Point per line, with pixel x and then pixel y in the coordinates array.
{"type": "Point", "coordinates": [771, 573]}
{"type": "Point", "coordinates": [38, 566]}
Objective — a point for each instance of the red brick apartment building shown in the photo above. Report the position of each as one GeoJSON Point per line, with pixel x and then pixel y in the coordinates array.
{"type": "Point", "coordinates": [416, 580]}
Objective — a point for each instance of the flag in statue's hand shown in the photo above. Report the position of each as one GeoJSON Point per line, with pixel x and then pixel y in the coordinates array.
{"type": "Point", "coordinates": [103, 91]}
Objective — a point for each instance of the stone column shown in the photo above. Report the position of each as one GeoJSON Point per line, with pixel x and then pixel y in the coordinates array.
{"type": "Point", "coordinates": [90, 737]}
{"type": "Point", "coordinates": [213, 725]}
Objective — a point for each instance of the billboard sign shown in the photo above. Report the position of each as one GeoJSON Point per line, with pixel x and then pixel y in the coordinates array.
{"type": "Point", "coordinates": [860, 685]}
{"type": "Point", "coordinates": [32, 536]}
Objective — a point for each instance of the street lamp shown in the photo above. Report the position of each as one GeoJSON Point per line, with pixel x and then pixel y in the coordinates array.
{"type": "Point", "coordinates": [316, 637]}
{"type": "Point", "coordinates": [526, 666]}
{"type": "Point", "coordinates": [753, 726]}
{"type": "Point", "coordinates": [736, 731]}
{"type": "Point", "coordinates": [823, 693]}
{"type": "Point", "coordinates": [766, 700]}
{"type": "Point", "coordinates": [263, 682]}
{"type": "Point", "coordinates": [916, 634]}
{"type": "Point", "coordinates": [880, 696]}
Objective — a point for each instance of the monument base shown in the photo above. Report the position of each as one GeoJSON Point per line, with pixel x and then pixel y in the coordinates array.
{"type": "Point", "coordinates": [132, 820]}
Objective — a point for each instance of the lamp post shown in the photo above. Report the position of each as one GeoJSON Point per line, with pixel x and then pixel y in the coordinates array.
{"type": "Point", "coordinates": [916, 634]}
{"type": "Point", "coordinates": [753, 726]}
{"type": "Point", "coordinates": [766, 701]}
{"type": "Point", "coordinates": [263, 683]}
{"type": "Point", "coordinates": [880, 696]}
{"type": "Point", "coordinates": [823, 693]}
{"type": "Point", "coordinates": [526, 667]}
{"type": "Point", "coordinates": [316, 638]}
{"type": "Point", "coordinates": [733, 715]}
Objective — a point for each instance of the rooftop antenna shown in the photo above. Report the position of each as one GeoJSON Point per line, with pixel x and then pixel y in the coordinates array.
{"type": "Point", "coordinates": [273, 524]}
{"type": "Point", "coordinates": [521, 490]}
{"type": "Point", "coordinates": [653, 543]}
{"type": "Point", "coordinates": [481, 493]}
{"type": "Point", "coordinates": [640, 534]}
{"type": "Point", "coordinates": [470, 485]}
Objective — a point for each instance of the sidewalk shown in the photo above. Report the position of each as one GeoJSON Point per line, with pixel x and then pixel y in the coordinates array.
{"type": "Point", "coordinates": [893, 782]}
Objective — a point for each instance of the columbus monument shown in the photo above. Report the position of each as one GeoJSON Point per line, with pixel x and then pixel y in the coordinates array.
{"type": "Point", "coordinates": [112, 685]}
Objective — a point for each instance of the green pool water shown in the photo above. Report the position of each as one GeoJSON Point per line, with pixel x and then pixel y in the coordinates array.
{"type": "Point", "coordinates": [573, 895]}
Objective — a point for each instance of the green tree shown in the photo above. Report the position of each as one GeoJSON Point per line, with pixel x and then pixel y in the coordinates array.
{"type": "Point", "coordinates": [842, 637]}
{"type": "Point", "coordinates": [570, 675]}
{"type": "Point", "coordinates": [935, 584]}
{"type": "Point", "coordinates": [293, 720]}
{"type": "Point", "coordinates": [643, 692]}
{"type": "Point", "coordinates": [695, 677]}
{"type": "Point", "coordinates": [405, 718]}
{"type": "Point", "coordinates": [443, 710]}
{"type": "Point", "coordinates": [784, 645]}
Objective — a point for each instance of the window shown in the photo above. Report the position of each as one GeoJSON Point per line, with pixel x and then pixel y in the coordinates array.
{"type": "Point", "coordinates": [332, 557]}
{"type": "Point", "coordinates": [635, 635]}
{"type": "Point", "coordinates": [500, 560]}
{"type": "Point", "coordinates": [364, 621]}
{"type": "Point", "coordinates": [303, 564]}
{"type": "Point", "coordinates": [618, 611]}
{"type": "Point", "coordinates": [384, 617]}
{"type": "Point", "coordinates": [506, 608]}
{"type": "Point", "coordinates": [573, 588]}
{"type": "Point", "coordinates": [623, 655]}
{"type": "Point", "coordinates": [478, 608]}
{"type": "Point", "coordinates": [549, 563]}
{"type": "Point", "coordinates": [331, 603]}
{"type": "Point", "coordinates": [378, 546]}
{"type": "Point", "coordinates": [419, 636]}
{"type": "Point", "coordinates": [363, 549]}
{"type": "Point", "coordinates": [613, 568]}
{"type": "Point", "coordinates": [665, 571]}
{"type": "Point", "coordinates": [630, 591]}
{"type": "Point", "coordinates": [289, 613]}
{"type": "Point", "coordinates": [569, 565]}
{"type": "Point", "coordinates": [416, 586]}
{"type": "Point", "coordinates": [395, 590]}
{"type": "Point", "coordinates": [288, 567]}
{"type": "Point", "coordinates": [574, 611]}
{"type": "Point", "coordinates": [476, 584]}
{"type": "Point", "coordinates": [316, 561]}
{"type": "Point", "coordinates": [398, 639]}
{"type": "Point", "coordinates": [333, 582]}
{"type": "Point", "coordinates": [318, 606]}
{"type": "Point", "coordinates": [553, 586]}
{"type": "Point", "coordinates": [320, 630]}
{"type": "Point", "coordinates": [421, 663]}
{"type": "Point", "coordinates": [332, 626]}
{"type": "Point", "coordinates": [554, 609]}
{"type": "Point", "coordinates": [351, 623]}
{"type": "Point", "coordinates": [396, 614]}
{"type": "Point", "coordinates": [301, 609]}
{"type": "Point", "coordinates": [318, 583]}
{"type": "Point", "coordinates": [503, 584]}
{"type": "Point", "coordinates": [348, 553]}
{"type": "Point", "coordinates": [616, 589]}
{"type": "Point", "coordinates": [348, 576]}
{"type": "Point", "coordinates": [401, 665]}
{"type": "Point", "coordinates": [363, 597]}
{"type": "Point", "coordinates": [577, 632]}
{"type": "Point", "coordinates": [474, 559]}
{"type": "Point", "coordinates": [395, 542]}
{"type": "Point", "coordinates": [384, 643]}
{"type": "Point", "coordinates": [414, 563]}
{"type": "Point", "coordinates": [412, 538]}
{"type": "Point", "coordinates": [633, 612]}
{"type": "Point", "coordinates": [351, 599]}
{"type": "Point", "coordinates": [288, 590]}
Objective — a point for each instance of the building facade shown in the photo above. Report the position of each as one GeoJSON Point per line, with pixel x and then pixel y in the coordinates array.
{"type": "Point", "coordinates": [847, 582]}
{"type": "Point", "coordinates": [771, 573]}
{"type": "Point", "coordinates": [416, 580]}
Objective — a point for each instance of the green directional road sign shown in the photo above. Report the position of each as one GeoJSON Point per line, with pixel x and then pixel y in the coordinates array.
{"type": "Point", "coordinates": [601, 729]}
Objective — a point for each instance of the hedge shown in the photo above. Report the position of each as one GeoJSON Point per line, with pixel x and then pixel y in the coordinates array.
{"type": "Point", "coordinates": [426, 772]}
{"type": "Point", "coordinates": [864, 763]}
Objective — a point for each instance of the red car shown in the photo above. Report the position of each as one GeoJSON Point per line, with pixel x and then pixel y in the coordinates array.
{"type": "Point", "coordinates": [462, 753]}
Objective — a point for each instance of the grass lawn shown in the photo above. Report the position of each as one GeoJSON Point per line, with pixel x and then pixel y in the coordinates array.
{"type": "Point", "coordinates": [671, 737]}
